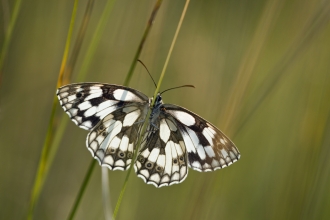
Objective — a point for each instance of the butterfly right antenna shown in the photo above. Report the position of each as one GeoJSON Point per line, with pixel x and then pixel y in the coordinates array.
{"type": "Point", "coordinates": [148, 72]}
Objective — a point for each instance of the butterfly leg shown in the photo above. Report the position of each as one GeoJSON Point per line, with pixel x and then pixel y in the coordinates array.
{"type": "Point", "coordinates": [155, 126]}
{"type": "Point", "coordinates": [138, 122]}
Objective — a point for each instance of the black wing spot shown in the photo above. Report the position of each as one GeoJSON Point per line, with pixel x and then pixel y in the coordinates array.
{"type": "Point", "coordinates": [121, 154]}
{"type": "Point", "coordinates": [149, 165]}
{"type": "Point", "coordinates": [141, 159]}
{"type": "Point", "coordinates": [175, 161]}
{"type": "Point", "coordinates": [159, 169]}
{"type": "Point", "coordinates": [79, 95]}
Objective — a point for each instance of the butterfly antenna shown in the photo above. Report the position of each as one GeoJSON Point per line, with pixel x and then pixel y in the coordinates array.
{"type": "Point", "coordinates": [148, 72]}
{"type": "Point", "coordinates": [177, 88]}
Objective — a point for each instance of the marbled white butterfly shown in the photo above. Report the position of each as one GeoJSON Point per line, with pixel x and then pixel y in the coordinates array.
{"type": "Point", "coordinates": [175, 139]}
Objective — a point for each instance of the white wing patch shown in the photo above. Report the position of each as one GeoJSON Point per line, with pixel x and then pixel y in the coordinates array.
{"type": "Point", "coordinates": [131, 117]}
{"type": "Point", "coordinates": [183, 117]}
{"type": "Point", "coordinates": [164, 131]}
{"type": "Point", "coordinates": [125, 95]}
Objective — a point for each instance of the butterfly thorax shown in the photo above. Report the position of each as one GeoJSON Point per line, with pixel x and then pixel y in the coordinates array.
{"type": "Point", "coordinates": [156, 108]}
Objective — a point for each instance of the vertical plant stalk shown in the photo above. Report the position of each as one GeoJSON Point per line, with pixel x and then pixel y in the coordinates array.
{"type": "Point", "coordinates": [81, 192]}
{"type": "Point", "coordinates": [171, 49]}
{"type": "Point", "coordinates": [95, 40]}
{"type": "Point", "coordinates": [106, 193]}
{"type": "Point", "coordinates": [80, 38]}
{"type": "Point", "coordinates": [126, 82]}
{"type": "Point", "coordinates": [42, 167]}
{"type": "Point", "coordinates": [144, 37]}
{"type": "Point", "coordinates": [64, 76]}
{"type": "Point", "coordinates": [144, 128]}
{"type": "Point", "coordinates": [8, 34]}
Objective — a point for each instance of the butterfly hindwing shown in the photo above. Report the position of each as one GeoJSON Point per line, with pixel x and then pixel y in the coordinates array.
{"type": "Point", "coordinates": [162, 160]}
{"type": "Point", "coordinates": [207, 147]}
{"type": "Point", "coordinates": [112, 141]}
{"type": "Point", "coordinates": [88, 103]}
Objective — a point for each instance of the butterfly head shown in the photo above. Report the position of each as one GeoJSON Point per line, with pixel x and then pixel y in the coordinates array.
{"type": "Point", "coordinates": [158, 100]}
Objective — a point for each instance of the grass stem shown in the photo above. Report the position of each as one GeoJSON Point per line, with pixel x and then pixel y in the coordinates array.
{"type": "Point", "coordinates": [43, 163]}
{"type": "Point", "coordinates": [144, 128]}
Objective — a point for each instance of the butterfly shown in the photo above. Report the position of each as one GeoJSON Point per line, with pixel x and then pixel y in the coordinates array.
{"type": "Point", "coordinates": [175, 139]}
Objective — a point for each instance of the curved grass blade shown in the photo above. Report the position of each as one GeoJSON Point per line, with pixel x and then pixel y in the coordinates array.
{"type": "Point", "coordinates": [64, 76]}
{"type": "Point", "coordinates": [127, 80]}
{"type": "Point", "coordinates": [144, 37]}
{"type": "Point", "coordinates": [95, 40]}
{"type": "Point", "coordinates": [144, 128]}
{"type": "Point", "coordinates": [8, 34]}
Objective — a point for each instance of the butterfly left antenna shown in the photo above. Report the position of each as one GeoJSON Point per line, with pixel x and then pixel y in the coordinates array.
{"type": "Point", "coordinates": [148, 72]}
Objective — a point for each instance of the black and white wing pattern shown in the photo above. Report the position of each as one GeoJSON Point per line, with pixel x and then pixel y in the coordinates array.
{"type": "Point", "coordinates": [175, 139]}
{"type": "Point", "coordinates": [207, 147]}
{"type": "Point", "coordinates": [112, 113]}
{"type": "Point", "coordinates": [162, 160]}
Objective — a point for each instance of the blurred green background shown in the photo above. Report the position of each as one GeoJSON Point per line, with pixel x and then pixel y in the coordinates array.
{"type": "Point", "coordinates": [262, 75]}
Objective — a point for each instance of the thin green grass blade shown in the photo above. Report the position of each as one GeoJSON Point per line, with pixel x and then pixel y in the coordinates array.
{"type": "Point", "coordinates": [144, 37]}
{"type": "Point", "coordinates": [42, 167]}
{"type": "Point", "coordinates": [170, 51]}
{"type": "Point", "coordinates": [95, 40]}
{"type": "Point", "coordinates": [80, 38]}
{"type": "Point", "coordinates": [82, 189]}
{"type": "Point", "coordinates": [144, 128]}
{"type": "Point", "coordinates": [8, 35]}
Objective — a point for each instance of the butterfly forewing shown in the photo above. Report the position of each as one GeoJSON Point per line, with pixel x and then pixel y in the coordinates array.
{"type": "Point", "coordinates": [208, 148]}
{"type": "Point", "coordinates": [162, 160]}
{"type": "Point", "coordinates": [88, 103]}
